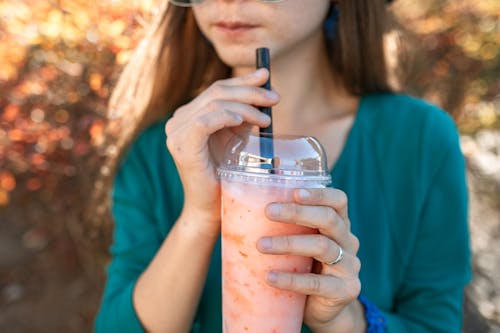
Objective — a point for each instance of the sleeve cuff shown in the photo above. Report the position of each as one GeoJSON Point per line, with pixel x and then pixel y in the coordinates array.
{"type": "Point", "coordinates": [121, 317]}
{"type": "Point", "coordinates": [394, 323]}
{"type": "Point", "coordinates": [375, 319]}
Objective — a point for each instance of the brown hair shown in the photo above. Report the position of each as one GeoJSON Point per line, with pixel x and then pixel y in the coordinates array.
{"type": "Point", "coordinates": [174, 62]}
{"type": "Point", "coordinates": [356, 53]}
{"type": "Point", "coordinates": [185, 63]}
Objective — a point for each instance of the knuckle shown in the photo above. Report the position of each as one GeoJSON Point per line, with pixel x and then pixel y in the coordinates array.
{"type": "Point", "coordinates": [314, 284]}
{"type": "Point", "coordinates": [323, 246]}
{"type": "Point", "coordinates": [286, 242]}
{"type": "Point", "coordinates": [354, 288]}
{"type": "Point", "coordinates": [331, 217]}
{"type": "Point", "coordinates": [217, 89]}
{"type": "Point", "coordinates": [347, 222]}
{"type": "Point", "coordinates": [213, 105]}
{"type": "Point", "coordinates": [169, 126]}
{"type": "Point", "coordinates": [226, 114]}
{"type": "Point", "coordinates": [341, 198]}
{"type": "Point", "coordinates": [201, 123]}
{"type": "Point", "coordinates": [356, 264]}
{"type": "Point", "coordinates": [294, 210]}
{"type": "Point", "coordinates": [181, 109]}
{"type": "Point", "coordinates": [355, 243]}
{"type": "Point", "coordinates": [172, 144]}
{"type": "Point", "coordinates": [169, 143]}
{"type": "Point", "coordinates": [289, 210]}
{"type": "Point", "coordinates": [292, 281]}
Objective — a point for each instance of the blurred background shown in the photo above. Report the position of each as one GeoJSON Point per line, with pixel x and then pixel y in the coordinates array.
{"type": "Point", "coordinates": [59, 60]}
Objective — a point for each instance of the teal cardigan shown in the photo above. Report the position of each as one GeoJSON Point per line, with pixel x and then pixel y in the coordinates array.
{"type": "Point", "coordinates": [403, 172]}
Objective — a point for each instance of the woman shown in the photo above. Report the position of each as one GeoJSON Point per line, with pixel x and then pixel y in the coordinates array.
{"type": "Point", "coordinates": [394, 159]}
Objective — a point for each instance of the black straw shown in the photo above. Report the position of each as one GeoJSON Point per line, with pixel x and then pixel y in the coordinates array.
{"type": "Point", "coordinates": [266, 133]}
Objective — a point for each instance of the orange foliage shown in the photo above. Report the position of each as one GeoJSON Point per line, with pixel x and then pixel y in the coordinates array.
{"type": "Point", "coordinates": [60, 59]}
{"type": "Point", "coordinates": [57, 66]}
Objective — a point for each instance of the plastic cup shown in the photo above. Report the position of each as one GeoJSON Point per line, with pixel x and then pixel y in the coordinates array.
{"type": "Point", "coordinates": [249, 182]}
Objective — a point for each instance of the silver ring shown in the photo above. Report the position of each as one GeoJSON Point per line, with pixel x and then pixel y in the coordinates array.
{"type": "Point", "coordinates": [338, 259]}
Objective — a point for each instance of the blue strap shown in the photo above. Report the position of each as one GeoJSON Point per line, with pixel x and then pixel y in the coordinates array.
{"type": "Point", "coordinates": [375, 319]}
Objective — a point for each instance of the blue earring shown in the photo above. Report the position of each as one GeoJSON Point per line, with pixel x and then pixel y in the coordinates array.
{"type": "Point", "coordinates": [331, 22]}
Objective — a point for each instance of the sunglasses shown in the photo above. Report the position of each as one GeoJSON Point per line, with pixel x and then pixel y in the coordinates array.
{"type": "Point", "coordinates": [190, 3]}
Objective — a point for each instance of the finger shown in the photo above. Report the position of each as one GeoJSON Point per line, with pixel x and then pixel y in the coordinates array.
{"type": "Point", "coordinates": [173, 122]}
{"type": "Point", "coordinates": [244, 94]}
{"type": "Point", "coordinates": [220, 88]}
{"type": "Point", "coordinates": [323, 218]}
{"type": "Point", "coordinates": [246, 89]}
{"type": "Point", "coordinates": [214, 112]}
{"type": "Point", "coordinates": [214, 98]}
{"type": "Point", "coordinates": [332, 197]}
{"type": "Point", "coordinates": [342, 290]}
{"type": "Point", "coordinates": [250, 114]}
{"type": "Point", "coordinates": [255, 78]}
{"type": "Point", "coordinates": [319, 247]}
{"type": "Point", "coordinates": [198, 131]}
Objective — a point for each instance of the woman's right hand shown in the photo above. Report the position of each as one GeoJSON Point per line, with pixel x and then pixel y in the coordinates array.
{"type": "Point", "coordinates": [199, 130]}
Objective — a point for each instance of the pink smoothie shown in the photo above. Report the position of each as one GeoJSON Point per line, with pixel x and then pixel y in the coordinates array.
{"type": "Point", "coordinates": [249, 304]}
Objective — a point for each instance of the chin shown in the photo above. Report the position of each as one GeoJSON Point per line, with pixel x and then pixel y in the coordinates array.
{"type": "Point", "coordinates": [238, 55]}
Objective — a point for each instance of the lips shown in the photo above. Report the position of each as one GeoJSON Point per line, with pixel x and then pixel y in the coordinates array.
{"type": "Point", "coordinates": [235, 26]}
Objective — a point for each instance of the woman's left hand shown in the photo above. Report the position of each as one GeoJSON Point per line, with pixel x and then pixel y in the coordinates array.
{"type": "Point", "coordinates": [333, 289]}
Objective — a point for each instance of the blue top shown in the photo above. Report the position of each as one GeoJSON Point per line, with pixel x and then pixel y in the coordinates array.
{"type": "Point", "coordinates": [404, 174]}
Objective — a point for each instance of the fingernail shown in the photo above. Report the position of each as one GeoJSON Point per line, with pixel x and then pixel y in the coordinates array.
{"type": "Point", "coordinates": [265, 243]}
{"type": "Point", "coordinates": [273, 95]}
{"type": "Point", "coordinates": [304, 194]}
{"type": "Point", "coordinates": [272, 277]}
{"type": "Point", "coordinates": [238, 118]}
{"type": "Point", "coordinates": [274, 210]}
{"type": "Point", "coordinates": [264, 118]}
{"type": "Point", "coordinates": [259, 71]}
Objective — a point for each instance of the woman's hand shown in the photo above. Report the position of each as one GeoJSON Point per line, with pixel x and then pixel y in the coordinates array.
{"type": "Point", "coordinates": [199, 130]}
{"type": "Point", "coordinates": [333, 289]}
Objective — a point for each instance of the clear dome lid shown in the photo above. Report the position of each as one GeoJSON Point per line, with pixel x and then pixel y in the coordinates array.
{"type": "Point", "coordinates": [276, 155]}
